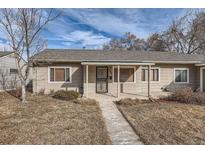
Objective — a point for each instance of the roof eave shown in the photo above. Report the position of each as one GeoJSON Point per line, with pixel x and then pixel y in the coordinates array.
{"type": "Point", "coordinates": [6, 55]}
{"type": "Point", "coordinates": [119, 61]}
{"type": "Point", "coordinates": [201, 64]}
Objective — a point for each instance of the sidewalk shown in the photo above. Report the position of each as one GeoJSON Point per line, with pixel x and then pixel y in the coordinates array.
{"type": "Point", "coordinates": [118, 128]}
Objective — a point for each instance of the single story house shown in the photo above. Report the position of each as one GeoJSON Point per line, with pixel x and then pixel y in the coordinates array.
{"type": "Point", "coordinates": [116, 72]}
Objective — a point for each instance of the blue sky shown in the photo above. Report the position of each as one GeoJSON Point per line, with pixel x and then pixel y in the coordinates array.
{"type": "Point", "coordinates": [91, 28]}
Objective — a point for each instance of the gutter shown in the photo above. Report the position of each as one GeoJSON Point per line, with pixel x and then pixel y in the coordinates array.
{"type": "Point", "coordinates": [121, 61]}
{"type": "Point", "coordinates": [115, 63]}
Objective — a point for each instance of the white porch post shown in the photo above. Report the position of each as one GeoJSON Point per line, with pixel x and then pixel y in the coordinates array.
{"type": "Point", "coordinates": [202, 79]}
{"type": "Point", "coordinates": [87, 81]}
{"type": "Point", "coordinates": [118, 81]}
{"type": "Point", "coordinates": [148, 80]}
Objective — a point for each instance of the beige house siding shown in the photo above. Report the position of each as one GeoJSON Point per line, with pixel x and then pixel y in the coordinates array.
{"type": "Point", "coordinates": [40, 79]}
{"type": "Point", "coordinates": [91, 80]}
{"type": "Point", "coordinates": [166, 80]}
{"type": "Point", "coordinates": [10, 80]}
{"type": "Point", "coordinates": [197, 77]}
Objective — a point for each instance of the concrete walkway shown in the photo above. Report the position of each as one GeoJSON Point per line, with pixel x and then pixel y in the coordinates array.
{"type": "Point", "coordinates": [118, 128]}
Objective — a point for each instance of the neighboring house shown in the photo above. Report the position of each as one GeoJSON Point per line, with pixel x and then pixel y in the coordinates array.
{"type": "Point", "coordinates": [8, 71]}
{"type": "Point", "coordinates": [115, 72]}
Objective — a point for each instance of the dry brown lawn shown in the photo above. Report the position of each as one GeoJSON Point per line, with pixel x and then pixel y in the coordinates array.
{"type": "Point", "coordinates": [44, 120]}
{"type": "Point", "coordinates": [167, 123]}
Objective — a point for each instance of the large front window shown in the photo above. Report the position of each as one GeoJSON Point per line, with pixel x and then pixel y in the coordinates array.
{"type": "Point", "coordinates": [126, 74]}
{"type": "Point", "coordinates": [60, 74]}
{"type": "Point", "coordinates": [181, 75]}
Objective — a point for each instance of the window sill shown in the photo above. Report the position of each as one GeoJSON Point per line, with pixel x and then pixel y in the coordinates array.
{"type": "Point", "coordinates": [181, 82]}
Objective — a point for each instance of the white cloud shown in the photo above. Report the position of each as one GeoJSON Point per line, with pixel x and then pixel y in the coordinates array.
{"type": "Point", "coordinates": [115, 24]}
{"type": "Point", "coordinates": [94, 27]}
{"type": "Point", "coordinates": [85, 38]}
{"type": "Point", "coordinates": [59, 27]}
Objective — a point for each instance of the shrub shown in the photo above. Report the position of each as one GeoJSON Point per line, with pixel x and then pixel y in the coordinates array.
{"type": "Point", "coordinates": [86, 101]}
{"type": "Point", "coordinates": [52, 92]}
{"type": "Point", "coordinates": [200, 98]}
{"type": "Point", "coordinates": [128, 101]}
{"type": "Point", "coordinates": [184, 95]}
{"type": "Point", "coordinates": [187, 95]}
{"type": "Point", "coordinates": [66, 95]}
{"type": "Point", "coordinates": [41, 92]}
{"type": "Point", "coordinates": [16, 93]}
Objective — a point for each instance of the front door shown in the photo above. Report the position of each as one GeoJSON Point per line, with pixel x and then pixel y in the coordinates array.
{"type": "Point", "coordinates": [101, 79]}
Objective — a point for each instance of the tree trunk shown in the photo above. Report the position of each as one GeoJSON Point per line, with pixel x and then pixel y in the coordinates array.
{"type": "Point", "coordinates": [23, 94]}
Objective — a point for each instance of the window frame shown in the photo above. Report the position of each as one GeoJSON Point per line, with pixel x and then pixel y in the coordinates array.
{"type": "Point", "coordinates": [15, 73]}
{"type": "Point", "coordinates": [158, 68]}
{"type": "Point", "coordinates": [64, 67]}
{"type": "Point", "coordinates": [113, 73]}
{"type": "Point", "coordinates": [181, 69]}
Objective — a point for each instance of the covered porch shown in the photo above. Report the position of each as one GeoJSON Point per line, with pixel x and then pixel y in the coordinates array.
{"type": "Point", "coordinates": [116, 79]}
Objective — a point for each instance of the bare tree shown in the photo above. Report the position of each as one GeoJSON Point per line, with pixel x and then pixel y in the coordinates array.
{"type": "Point", "coordinates": [127, 42]}
{"type": "Point", "coordinates": [3, 78]}
{"type": "Point", "coordinates": [13, 82]}
{"type": "Point", "coordinates": [156, 43]}
{"type": "Point", "coordinates": [23, 28]}
{"type": "Point", "coordinates": [186, 34]}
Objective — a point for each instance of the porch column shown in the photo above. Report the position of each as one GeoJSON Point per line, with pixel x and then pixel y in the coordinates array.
{"type": "Point", "coordinates": [86, 81]}
{"type": "Point", "coordinates": [118, 81]}
{"type": "Point", "coordinates": [202, 79]}
{"type": "Point", "coordinates": [148, 80]}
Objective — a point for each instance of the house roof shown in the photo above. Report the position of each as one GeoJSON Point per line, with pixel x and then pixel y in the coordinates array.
{"type": "Point", "coordinates": [66, 55]}
{"type": "Point", "coordinates": [4, 53]}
